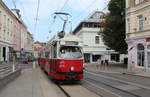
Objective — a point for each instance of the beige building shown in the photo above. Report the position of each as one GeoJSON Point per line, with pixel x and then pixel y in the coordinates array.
{"type": "Point", "coordinates": [37, 48]}
{"type": "Point", "coordinates": [138, 34]}
{"type": "Point", "coordinates": [14, 36]}
{"type": "Point", "coordinates": [30, 42]}
{"type": "Point", "coordinates": [6, 32]}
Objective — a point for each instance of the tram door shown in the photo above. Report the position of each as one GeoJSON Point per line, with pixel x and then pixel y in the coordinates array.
{"type": "Point", "coordinates": [53, 58]}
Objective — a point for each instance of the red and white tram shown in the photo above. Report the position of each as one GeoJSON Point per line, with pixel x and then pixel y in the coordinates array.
{"type": "Point", "coordinates": [62, 58]}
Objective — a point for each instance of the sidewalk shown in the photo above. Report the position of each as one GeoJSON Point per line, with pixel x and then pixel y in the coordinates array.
{"type": "Point", "coordinates": [114, 68]}
{"type": "Point", "coordinates": [32, 83]}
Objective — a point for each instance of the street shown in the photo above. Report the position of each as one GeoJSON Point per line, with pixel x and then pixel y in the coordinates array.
{"type": "Point", "coordinates": [35, 83]}
{"type": "Point", "coordinates": [75, 48]}
{"type": "Point", "coordinates": [117, 85]}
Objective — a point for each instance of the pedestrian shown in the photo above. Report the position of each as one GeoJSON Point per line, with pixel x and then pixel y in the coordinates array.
{"type": "Point", "coordinates": [98, 63]}
{"type": "Point", "coordinates": [102, 63]}
{"type": "Point", "coordinates": [106, 64]}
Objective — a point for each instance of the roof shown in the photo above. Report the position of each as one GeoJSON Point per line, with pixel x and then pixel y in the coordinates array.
{"type": "Point", "coordinates": [68, 37]}
{"type": "Point", "coordinates": [95, 17]}
{"type": "Point", "coordinates": [12, 13]}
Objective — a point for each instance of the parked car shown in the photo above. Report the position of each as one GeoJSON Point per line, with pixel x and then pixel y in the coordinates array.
{"type": "Point", "coordinates": [31, 59]}
{"type": "Point", "coordinates": [23, 60]}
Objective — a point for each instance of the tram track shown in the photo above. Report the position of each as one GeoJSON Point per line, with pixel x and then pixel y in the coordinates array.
{"type": "Point", "coordinates": [63, 90]}
{"type": "Point", "coordinates": [104, 86]}
{"type": "Point", "coordinates": [75, 90]}
{"type": "Point", "coordinates": [116, 92]}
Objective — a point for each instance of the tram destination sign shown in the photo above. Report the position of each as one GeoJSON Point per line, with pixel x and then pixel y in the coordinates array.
{"type": "Point", "coordinates": [71, 43]}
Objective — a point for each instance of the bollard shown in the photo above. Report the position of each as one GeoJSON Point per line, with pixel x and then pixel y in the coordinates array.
{"type": "Point", "coordinates": [13, 68]}
{"type": "Point", "coordinates": [13, 64]}
{"type": "Point", "coordinates": [34, 65]}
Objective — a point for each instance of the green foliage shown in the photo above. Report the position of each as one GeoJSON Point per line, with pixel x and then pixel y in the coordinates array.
{"type": "Point", "coordinates": [114, 26]}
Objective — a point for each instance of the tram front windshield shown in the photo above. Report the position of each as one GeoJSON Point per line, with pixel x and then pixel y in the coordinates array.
{"type": "Point", "coordinates": [70, 52]}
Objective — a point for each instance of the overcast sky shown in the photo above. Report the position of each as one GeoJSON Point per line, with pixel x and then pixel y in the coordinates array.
{"type": "Point", "coordinates": [46, 27]}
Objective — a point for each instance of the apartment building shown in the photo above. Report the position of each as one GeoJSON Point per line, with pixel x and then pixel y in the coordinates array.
{"type": "Point", "coordinates": [14, 36]}
{"type": "Point", "coordinates": [38, 46]}
{"type": "Point", "coordinates": [6, 32]}
{"type": "Point", "coordinates": [93, 45]}
{"type": "Point", "coordinates": [30, 42]}
{"type": "Point", "coordinates": [138, 34]}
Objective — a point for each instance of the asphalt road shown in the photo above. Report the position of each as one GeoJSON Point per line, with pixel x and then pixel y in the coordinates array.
{"type": "Point", "coordinates": [117, 85]}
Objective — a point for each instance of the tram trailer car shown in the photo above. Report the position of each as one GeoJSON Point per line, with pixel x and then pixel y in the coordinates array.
{"type": "Point", "coordinates": [63, 58]}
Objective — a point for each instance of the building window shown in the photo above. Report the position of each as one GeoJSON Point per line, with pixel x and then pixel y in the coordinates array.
{"type": "Point", "coordinates": [148, 55]}
{"type": "Point", "coordinates": [115, 57]}
{"type": "Point", "coordinates": [4, 21]}
{"type": "Point", "coordinates": [0, 18]}
{"type": "Point", "coordinates": [127, 3]}
{"type": "Point", "coordinates": [138, 1]}
{"type": "Point", "coordinates": [140, 55]}
{"type": "Point", "coordinates": [141, 22]}
{"type": "Point", "coordinates": [97, 41]}
{"type": "Point", "coordinates": [128, 25]}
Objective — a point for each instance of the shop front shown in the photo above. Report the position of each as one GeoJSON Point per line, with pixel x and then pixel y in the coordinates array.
{"type": "Point", "coordinates": [139, 54]}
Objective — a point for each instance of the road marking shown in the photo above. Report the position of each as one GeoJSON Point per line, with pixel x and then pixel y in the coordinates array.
{"type": "Point", "coordinates": [130, 83]}
{"type": "Point", "coordinates": [103, 89]}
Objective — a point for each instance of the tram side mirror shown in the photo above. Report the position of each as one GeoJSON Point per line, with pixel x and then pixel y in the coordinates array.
{"type": "Point", "coordinates": [61, 34]}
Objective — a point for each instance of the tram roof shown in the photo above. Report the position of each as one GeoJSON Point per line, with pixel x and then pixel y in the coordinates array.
{"type": "Point", "coordinates": [68, 37]}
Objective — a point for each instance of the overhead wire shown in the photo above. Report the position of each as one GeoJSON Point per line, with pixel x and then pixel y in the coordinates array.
{"type": "Point", "coordinates": [25, 13]}
{"type": "Point", "coordinates": [64, 5]}
{"type": "Point", "coordinates": [89, 6]}
{"type": "Point", "coordinates": [60, 11]}
{"type": "Point", "coordinates": [37, 14]}
{"type": "Point", "coordinates": [14, 3]}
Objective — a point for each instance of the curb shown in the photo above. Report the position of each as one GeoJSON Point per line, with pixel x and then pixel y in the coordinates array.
{"type": "Point", "coordinates": [124, 73]}
{"type": "Point", "coordinates": [103, 71]}
{"type": "Point", "coordinates": [7, 79]}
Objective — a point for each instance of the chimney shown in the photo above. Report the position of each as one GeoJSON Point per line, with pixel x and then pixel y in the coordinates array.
{"type": "Point", "coordinates": [16, 12]}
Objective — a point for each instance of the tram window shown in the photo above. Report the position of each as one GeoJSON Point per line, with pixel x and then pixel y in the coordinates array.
{"type": "Point", "coordinates": [70, 52]}
{"type": "Point", "coordinates": [47, 54]}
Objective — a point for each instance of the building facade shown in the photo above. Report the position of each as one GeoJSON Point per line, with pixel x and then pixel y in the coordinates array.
{"type": "Point", "coordinates": [93, 45]}
{"type": "Point", "coordinates": [6, 32]}
{"type": "Point", "coordinates": [138, 34]}
{"type": "Point", "coordinates": [38, 46]}
{"type": "Point", "coordinates": [13, 34]}
{"type": "Point", "coordinates": [30, 42]}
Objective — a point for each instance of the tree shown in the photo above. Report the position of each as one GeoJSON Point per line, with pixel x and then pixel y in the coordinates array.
{"type": "Point", "coordinates": [114, 26]}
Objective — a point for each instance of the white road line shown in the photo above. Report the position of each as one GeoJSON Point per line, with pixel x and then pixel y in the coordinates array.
{"type": "Point", "coordinates": [130, 83]}
{"type": "Point", "coordinates": [103, 89]}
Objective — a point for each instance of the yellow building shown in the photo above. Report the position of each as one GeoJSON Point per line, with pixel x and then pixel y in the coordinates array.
{"type": "Point", "coordinates": [138, 34]}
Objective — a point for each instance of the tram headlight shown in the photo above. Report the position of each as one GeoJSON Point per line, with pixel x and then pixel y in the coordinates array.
{"type": "Point", "coordinates": [72, 68]}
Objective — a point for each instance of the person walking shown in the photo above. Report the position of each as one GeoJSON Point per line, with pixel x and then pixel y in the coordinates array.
{"type": "Point", "coordinates": [98, 63]}
{"type": "Point", "coordinates": [106, 64]}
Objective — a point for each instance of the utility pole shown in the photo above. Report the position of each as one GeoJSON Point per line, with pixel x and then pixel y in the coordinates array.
{"type": "Point", "coordinates": [64, 17]}
{"type": "Point", "coordinates": [14, 4]}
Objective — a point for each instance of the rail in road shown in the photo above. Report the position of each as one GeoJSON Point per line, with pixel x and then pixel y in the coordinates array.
{"type": "Point", "coordinates": [107, 86]}
{"type": "Point", "coordinates": [63, 90]}
{"type": "Point", "coordinates": [76, 90]}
